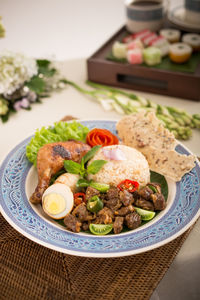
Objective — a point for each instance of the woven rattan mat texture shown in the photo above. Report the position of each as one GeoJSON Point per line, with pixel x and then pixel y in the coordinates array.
{"type": "Point", "coordinates": [30, 271]}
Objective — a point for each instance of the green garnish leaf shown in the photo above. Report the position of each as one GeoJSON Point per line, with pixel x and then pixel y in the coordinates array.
{"type": "Point", "coordinates": [155, 177]}
{"type": "Point", "coordinates": [72, 167]}
{"type": "Point", "coordinates": [44, 67]}
{"type": "Point", "coordinates": [90, 154]}
{"type": "Point", "coordinates": [36, 84]}
{"type": "Point", "coordinates": [95, 166]}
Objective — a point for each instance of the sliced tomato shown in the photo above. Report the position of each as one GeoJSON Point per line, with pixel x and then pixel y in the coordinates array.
{"type": "Point", "coordinates": [104, 137]}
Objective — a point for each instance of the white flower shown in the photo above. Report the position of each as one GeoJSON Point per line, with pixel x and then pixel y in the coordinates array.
{"type": "Point", "coordinates": [15, 69]}
{"type": "Point", "coordinates": [3, 107]}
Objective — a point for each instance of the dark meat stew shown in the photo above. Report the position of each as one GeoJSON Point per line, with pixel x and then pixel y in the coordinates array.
{"type": "Point", "coordinates": [116, 207]}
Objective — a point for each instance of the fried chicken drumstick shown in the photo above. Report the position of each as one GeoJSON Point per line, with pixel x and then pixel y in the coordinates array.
{"type": "Point", "coordinates": [50, 159]}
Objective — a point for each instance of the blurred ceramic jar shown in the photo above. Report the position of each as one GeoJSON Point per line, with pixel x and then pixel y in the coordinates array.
{"type": "Point", "coordinates": [145, 14]}
{"type": "Point", "coordinates": [192, 11]}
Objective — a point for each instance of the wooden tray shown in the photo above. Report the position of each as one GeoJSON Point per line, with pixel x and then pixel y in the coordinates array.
{"type": "Point", "coordinates": [172, 83]}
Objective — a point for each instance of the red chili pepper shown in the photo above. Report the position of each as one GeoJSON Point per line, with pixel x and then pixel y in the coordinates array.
{"type": "Point", "coordinates": [104, 137]}
{"type": "Point", "coordinates": [79, 198]}
{"type": "Point", "coordinates": [129, 185]}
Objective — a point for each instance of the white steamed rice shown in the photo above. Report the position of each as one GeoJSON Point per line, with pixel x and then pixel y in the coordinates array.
{"type": "Point", "coordinates": [134, 167]}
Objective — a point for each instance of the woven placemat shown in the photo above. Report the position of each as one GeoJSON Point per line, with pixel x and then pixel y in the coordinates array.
{"type": "Point", "coordinates": [30, 271]}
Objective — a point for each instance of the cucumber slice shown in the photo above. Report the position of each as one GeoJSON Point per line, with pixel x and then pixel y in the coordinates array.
{"type": "Point", "coordinates": [100, 229]}
{"type": "Point", "coordinates": [146, 215]}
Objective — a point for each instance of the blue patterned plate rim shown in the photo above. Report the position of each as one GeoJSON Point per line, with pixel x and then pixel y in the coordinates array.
{"type": "Point", "coordinates": [17, 210]}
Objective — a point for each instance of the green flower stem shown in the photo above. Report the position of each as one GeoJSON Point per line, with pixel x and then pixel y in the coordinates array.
{"type": "Point", "coordinates": [177, 121]}
{"type": "Point", "coordinates": [112, 90]}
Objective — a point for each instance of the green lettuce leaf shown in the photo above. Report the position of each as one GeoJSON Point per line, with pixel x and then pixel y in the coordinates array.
{"type": "Point", "coordinates": [62, 131]}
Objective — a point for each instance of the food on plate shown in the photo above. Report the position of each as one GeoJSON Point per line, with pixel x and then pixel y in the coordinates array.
{"type": "Point", "coordinates": [107, 188]}
{"type": "Point", "coordinates": [193, 40]}
{"type": "Point", "coordinates": [148, 135]}
{"type": "Point", "coordinates": [168, 162]}
{"type": "Point", "coordinates": [50, 160]}
{"type": "Point", "coordinates": [144, 129]}
{"type": "Point", "coordinates": [135, 56]}
{"type": "Point", "coordinates": [122, 162]}
{"type": "Point", "coordinates": [115, 209]}
{"type": "Point", "coordinates": [180, 52]}
{"type": "Point", "coordinates": [100, 229]}
{"type": "Point", "coordinates": [152, 56]}
{"type": "Point", "coordinates": [119, 50]}
{"type": "Point", "coordinates": [172, 35]}
{"type": "Point", "coordinates": [98, 136]}
{"type": "Point", "coordinates": [61, 131]}
{"type": "Point", "coordinates": [68, 179]}
{"type": "Point", "coordinates": [57, 200]}
{"type": "Point", "coordinates": [135, 44]}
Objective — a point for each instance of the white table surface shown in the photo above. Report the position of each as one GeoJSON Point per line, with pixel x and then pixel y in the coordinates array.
{"type": "Point", "coordinates": [70, 31]}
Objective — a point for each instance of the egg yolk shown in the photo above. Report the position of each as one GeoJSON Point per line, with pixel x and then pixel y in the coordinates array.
{"type": "Point", "coordinates": [54, 203]}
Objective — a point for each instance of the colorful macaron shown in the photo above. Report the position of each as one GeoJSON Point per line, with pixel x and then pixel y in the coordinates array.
{"type": "Point", "coordinates": [180, 52]}
{"type": "Point", "coordinates": [171, 35]}
{"type": "Point", "coordinates": [152, 56]}
{"type": "Point", "coordinates": [193, 40]}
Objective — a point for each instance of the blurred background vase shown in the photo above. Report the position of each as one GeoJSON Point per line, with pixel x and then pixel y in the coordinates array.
{"type": "Point", "coordinates": [145, 14]}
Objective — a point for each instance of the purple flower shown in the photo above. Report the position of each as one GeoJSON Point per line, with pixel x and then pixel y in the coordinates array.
{"type": "Point", "coordinates": [17, 105]}
{"type": "Point", "coordinates": [23, 103]}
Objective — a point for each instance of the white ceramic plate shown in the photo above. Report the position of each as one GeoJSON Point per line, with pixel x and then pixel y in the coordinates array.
{"type": "Point", "coordinates": [18, 179]}
{"type": "Point", "coordinates": [177, 16]}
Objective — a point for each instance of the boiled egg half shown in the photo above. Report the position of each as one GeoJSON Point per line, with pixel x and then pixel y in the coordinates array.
{"type": "Point", "coordinates": [57, 200]}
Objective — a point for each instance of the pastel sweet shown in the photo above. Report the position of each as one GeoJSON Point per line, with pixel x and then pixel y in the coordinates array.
{"type": "Point", "coordinates": [152, 56]}
{"type": "Point", "coordinates": [171, 35]}
{"type": "Point", "coordinates": [134, 56]}
{"type": "Point", "coordinates": [135, 44]}
{"type": "Point", "coordinates": [119, 50]}
{"type": "Point", "coordinates": [193, 40]}
{"type": "Point", "coordinates": [148, 38]}
{"type": "Point", "coordinates": [141, 34]}
{"type": "Point", "coordinates": [180, 52]}
{"type": "Point", "coordinates": [128, 38]}
{"type": "Point", "coordinates": [158, 41]}
{"type": "Point", "coordinates": [164, 49]}
{"type": "Point", "coordinates": [161, 43]}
